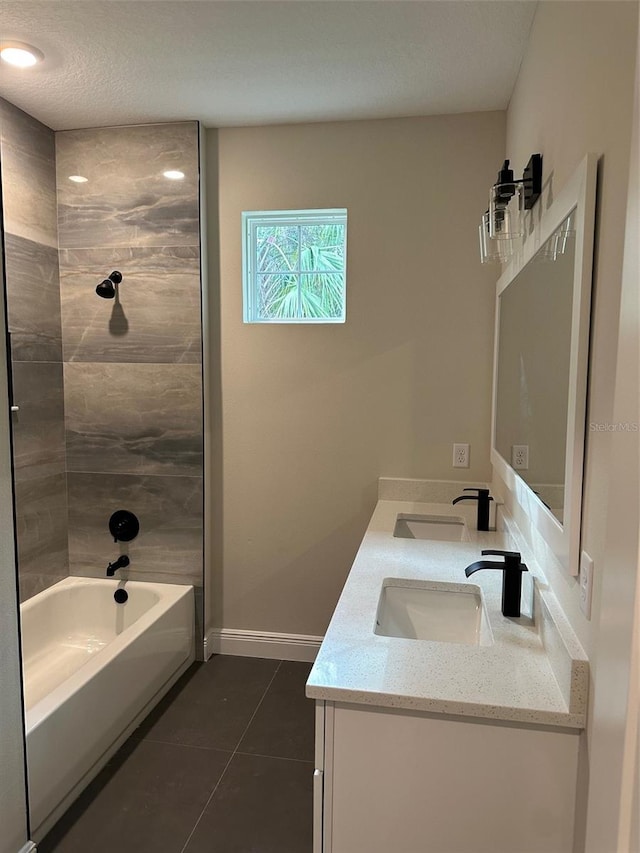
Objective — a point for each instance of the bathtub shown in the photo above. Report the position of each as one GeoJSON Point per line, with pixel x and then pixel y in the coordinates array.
{"type": "Point", "coordinates": [92, 670]}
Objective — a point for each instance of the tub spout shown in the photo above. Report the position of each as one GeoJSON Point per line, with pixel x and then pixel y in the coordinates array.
{"type": "Point", "coordinates": [121, 563]}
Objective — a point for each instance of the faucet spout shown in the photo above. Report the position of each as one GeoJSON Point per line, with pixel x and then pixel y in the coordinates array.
{"type": "Point", "coordinates": [512, 570]}
{"type": "Point", "coordinates": [483, 499]}
{"type": "Point", "coordinates": [121, 563]}
{"type": "Point", "coordinates": [482, 564]}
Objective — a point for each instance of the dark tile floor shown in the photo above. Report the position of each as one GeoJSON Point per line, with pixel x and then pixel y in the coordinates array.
{"type": "Point", "coordinates": [224, 764]}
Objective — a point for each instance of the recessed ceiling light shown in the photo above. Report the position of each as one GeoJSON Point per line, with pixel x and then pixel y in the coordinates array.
{"type": "Point", "coordinates": [19, 54]}
{"type": "Point", "coordinates": [78, 179]}
{"type": "Point", "coordinates": [174, 175]}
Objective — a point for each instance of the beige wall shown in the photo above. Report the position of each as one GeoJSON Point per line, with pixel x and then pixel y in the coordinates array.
{"type": "Point", "coordinates": [312, 415]}
{"type": "Point", "coordinates": [574, 95]}
{"type": "Point", "coordinates": [614, 744]}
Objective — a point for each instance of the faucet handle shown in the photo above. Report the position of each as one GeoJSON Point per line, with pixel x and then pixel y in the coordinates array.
{"type": "Point", "coordinates": [493, 552]}
{"type": "Point", "coordinates": [512, 559]}
{"type": "Point", "coordinates": [483, 492]}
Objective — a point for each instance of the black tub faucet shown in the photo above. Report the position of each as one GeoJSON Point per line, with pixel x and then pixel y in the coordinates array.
{"type": "Point", "coordinates": [121, 563]}
{"type": "Point", "coordinates": [512, 570]}
{"type": "Point", "coordinates": [483, 499]}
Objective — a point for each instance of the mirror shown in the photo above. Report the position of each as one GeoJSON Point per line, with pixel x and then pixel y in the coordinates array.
{"type": "Point", "coordinates": [540, 366]}
{"type": "Point", "coordinates": [533, 368]}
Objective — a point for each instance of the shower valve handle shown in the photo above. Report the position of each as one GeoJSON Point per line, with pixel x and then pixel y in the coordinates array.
{"type": "Point", "coordinates": [123, 525]}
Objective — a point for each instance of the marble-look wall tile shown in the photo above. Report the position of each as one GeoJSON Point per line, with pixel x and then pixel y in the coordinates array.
{"type": "Point", "coordinates": [156, 316]}
{"type": "Point", "coordinates": [27, 156]}
{"type": "Point", "coordinates": [134, 418]}
{"type": "Point", "coordinates": [38, 428]}
{"type": "Point", "coordinates": [169, 545]}
{"type": "Point", "coordinates": [126, 200]}
{"type": "Point", "coordinates": [33, 300]}
{"type": "Point", "coordinates": [41, 524]}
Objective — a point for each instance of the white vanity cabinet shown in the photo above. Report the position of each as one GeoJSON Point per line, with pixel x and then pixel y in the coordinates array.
{"type": "Point", "coordinates": [391, 780]}
{"type": "Point", "coordinates": [440, 746]}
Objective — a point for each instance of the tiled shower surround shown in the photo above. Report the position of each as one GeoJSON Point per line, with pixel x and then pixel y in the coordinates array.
{"type": "Point", "coordinates": [130, 367]}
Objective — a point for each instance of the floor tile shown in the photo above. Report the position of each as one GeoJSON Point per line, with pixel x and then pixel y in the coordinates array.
{"type": "Point", "coordinates": [283, 726]}
{"type": "Point", "coordinates": [212, 704]}
{"type": "Point", "coordinates": [145, 801]}
{"type": "Point", "coordinates": [262, 805]}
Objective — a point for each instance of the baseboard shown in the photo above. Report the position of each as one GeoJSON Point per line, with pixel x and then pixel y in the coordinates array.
{"type": "Point", "coordinates": [261, 644]}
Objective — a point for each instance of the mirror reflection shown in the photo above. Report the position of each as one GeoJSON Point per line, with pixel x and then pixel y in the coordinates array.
{"type": "Point", "coordinates": [533, 367]}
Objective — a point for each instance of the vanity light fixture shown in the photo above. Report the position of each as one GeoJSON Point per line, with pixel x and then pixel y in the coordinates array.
{"type": "Point", "coordinates": [502, 226]}
{"type": "Point", "coordinates": [78, 179]}
{"type": "Point", "coordinates": [174, 175]}
{"type": "Point", "coordinates": [19, 54]}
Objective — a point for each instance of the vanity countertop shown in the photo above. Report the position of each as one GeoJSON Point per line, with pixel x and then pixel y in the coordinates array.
{"type": "Point", "coordinates": [534, 672]}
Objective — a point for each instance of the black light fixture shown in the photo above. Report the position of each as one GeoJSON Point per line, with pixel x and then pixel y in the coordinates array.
{"type": "Point", "coordinates": [502, 225]}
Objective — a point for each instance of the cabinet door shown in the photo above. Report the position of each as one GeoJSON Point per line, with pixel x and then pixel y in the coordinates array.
{"type": "Point", "coordinates": [318, 791]}
{"type": "Point", "coordinates": [322, 778]}
{"type": "Point", "coordinates": [407, 783]}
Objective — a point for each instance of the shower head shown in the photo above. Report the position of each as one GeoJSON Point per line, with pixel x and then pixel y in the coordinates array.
{"type": "Point", "coordinates": [106, 287]}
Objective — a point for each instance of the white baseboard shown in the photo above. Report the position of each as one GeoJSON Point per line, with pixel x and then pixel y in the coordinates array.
{"type": "Point", "coordinates": [261, 644]}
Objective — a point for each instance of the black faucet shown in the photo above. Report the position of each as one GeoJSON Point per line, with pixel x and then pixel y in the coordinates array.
{"type": "Point", "coordinates": [483, 505]}
{"type": "Point", "coordinates": [512, 570]}
{"type": "Point", "coordinates": [121, 563]}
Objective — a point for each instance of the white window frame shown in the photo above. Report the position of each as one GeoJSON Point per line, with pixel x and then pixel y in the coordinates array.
{"type": "Point", "coordinates": [251, 220]}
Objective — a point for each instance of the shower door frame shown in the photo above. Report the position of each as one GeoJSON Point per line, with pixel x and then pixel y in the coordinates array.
{"type": "Point", "coordinates": [14, 811]}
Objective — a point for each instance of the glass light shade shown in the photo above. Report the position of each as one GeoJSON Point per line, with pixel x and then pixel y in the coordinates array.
{"type": "Point", "coordinates": [559, 242]}
{"type": "Point", "coordinates": [492, 251]}
{"type": "Point", "coordinates": [506, 211]}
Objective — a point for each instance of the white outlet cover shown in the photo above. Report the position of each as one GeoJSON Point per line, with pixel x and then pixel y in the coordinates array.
{"type": "Point", "coordinates": [586, 583]}
{"type": "Point", "coordinates": [460, 455]}
{"type": "Point", "coordinates": [520, 456]}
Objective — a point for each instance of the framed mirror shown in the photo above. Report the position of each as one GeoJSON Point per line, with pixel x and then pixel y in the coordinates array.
{"type": "Point", "coordinates": [541, 362]}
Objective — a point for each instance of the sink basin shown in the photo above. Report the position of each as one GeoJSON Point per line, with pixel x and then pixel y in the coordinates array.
{"type": "Point", "coordinates": [429, 610]}
{"type": "Point", "coordinates": [443, 527]}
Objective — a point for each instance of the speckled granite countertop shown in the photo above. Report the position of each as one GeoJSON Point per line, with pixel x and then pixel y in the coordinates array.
{"type": "Point", "coordinates": [534, 672]}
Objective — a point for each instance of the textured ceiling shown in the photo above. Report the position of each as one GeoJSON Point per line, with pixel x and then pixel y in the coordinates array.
{"type": "Point", "coordinates": [240, 62]}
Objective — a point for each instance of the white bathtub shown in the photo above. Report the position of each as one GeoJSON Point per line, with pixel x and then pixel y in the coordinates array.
{"type": "Point", "coordinates": [92, 670]}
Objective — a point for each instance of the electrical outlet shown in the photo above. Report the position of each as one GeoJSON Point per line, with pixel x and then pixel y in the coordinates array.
{"type": "Point", "coordinates": [586, 583]}
{"type": "Point", "coordinates": [520, 456]}
{"type": "Point", "coordinates": [460, 455]}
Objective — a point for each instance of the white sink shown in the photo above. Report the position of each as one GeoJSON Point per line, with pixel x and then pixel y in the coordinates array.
{"type": "Point", "coordinates": [429, 610]}
{"type": "Point", "coordinates": [443, 527]}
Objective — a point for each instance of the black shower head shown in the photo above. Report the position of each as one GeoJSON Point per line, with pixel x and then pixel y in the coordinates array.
{"type": "Point", "coordinates": [106, 288]}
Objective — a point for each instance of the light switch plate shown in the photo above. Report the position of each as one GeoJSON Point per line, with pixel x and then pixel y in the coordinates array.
{"type": "Point", "coordinates": [586, 583]}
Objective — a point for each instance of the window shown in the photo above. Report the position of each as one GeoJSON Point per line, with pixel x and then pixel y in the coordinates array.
{"type": "Point", "coordinates": [294, 266]}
